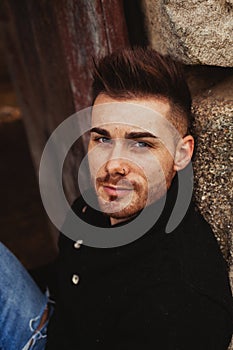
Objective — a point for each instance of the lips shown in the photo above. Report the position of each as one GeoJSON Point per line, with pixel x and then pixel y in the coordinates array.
{"type": "Point", "coordinates": [117, 191]}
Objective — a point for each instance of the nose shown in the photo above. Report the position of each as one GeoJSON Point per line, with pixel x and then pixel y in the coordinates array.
{"type": "Point", "coordinates": [117, 165]}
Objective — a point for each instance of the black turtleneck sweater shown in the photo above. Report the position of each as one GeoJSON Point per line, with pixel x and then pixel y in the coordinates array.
{"type": "Point", "coordinates": [162, 291]}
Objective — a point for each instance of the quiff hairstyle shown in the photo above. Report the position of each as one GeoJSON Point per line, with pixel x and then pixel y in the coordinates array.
{"type": "Point", "coordinates": [144, 73]}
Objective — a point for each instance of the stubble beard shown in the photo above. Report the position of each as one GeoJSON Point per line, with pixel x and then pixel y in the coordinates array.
{"type": "Point", "coordinates": [119, 207]}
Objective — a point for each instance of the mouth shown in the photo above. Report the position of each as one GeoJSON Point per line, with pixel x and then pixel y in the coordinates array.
{"type": "Point", "coordinates": [117, 191]}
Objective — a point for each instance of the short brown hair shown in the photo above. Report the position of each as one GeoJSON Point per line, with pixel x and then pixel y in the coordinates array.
{"type": "Point", "coordinates": [143, 72]}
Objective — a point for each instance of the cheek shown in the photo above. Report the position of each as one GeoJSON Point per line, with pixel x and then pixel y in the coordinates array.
{"type": "Point", "coordinates": [151, 165]}
{"type": "Point", "coordinates": [155, 176]}
{"type": "Point", "coordinates": [166, 161]}
{"type": "Point", "coordinates": [96, 161]}
{"type": "Point", "coordinates": [156, 171]}
{"type": "Point", "coordinates": [96, 168]}
{"type": "Point", "coordinates": [91, 161]}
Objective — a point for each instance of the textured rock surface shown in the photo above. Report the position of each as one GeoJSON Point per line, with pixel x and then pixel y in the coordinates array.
{"type": "Point", "coordinates": [193, 31]}
{"type": "Point", "coordinates": [213, 162]}
{"type": "Point", "coordinates": [202, 79]}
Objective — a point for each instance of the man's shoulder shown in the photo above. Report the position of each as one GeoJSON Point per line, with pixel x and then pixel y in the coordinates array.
{"type": "Point", "coordinates": [203, 265]}
{"type": "Point", "coordinates": [197, 239]}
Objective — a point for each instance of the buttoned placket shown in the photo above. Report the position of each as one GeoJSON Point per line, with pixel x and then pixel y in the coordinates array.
{"type": "Point", "coordinates": [77, 245]}
{"type": "Point", "coordinates": [75, 277]}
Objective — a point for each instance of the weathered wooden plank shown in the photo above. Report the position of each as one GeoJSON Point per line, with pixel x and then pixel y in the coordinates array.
{"type": "Point", "coordinates": [93, 29]}
{"type": "Point", "coordinates": [31, 77]}
{"type": "Point", "coordinates": [50, 46]}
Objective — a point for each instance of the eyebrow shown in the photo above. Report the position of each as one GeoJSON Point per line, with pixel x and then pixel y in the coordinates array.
{"type": "Point", "coordinates": [100, 131]}
{"type": "Point", "coordinates": [130, 135]}
{"type": "Point", "coordinates": [138, 135]}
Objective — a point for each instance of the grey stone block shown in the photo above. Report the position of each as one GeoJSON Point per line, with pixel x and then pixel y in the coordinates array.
{"type": "Point", "coordinates": [192, 31]}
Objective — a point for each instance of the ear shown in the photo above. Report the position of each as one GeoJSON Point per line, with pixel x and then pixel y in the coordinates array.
{"type": "Point", "coordinates": [184, 152]}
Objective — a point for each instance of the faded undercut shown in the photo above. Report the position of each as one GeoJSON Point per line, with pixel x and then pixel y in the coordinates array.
{"type": "Point", "coordinates": [144, 73]}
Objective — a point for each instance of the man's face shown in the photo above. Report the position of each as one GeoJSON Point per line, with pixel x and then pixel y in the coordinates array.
{"type": "Point", "coordinates": [129, 163]}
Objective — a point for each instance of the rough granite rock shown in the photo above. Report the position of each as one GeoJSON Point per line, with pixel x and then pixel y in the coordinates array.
{"type": "Point", "coordinates": [192, 31]}
{"type": "Point", "coordinates": [213, 162]}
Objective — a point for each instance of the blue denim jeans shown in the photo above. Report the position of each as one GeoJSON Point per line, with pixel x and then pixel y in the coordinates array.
{"type": "Point", "coordinates": [21, 306]}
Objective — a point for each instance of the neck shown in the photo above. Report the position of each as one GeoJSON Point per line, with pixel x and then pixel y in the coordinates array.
{"type": "Point", "coordinates": [115, 221]}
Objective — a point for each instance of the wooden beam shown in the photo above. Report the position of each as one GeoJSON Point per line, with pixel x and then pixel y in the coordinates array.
{"type": "Point", "coordinates": [50, 46]}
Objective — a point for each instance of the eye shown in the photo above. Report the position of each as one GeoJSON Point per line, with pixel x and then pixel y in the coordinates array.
{"type": "Point", "coordinates": [102, 139]}
{"type": "Point", "coordinates": [141, 144]}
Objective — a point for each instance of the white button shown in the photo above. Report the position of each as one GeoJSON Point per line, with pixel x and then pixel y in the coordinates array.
{"type": "Point", "coordinates": [75, 279]}
{"type": "Point", "coordinates": [78, 243]}
{"type": "Point", "coordinates": [84, 209]}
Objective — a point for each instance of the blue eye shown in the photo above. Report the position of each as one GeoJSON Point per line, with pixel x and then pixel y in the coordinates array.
{"type": "Point", "coordinates": [142, 144]}
{"type": "Point", "coordinates": [103, 140]}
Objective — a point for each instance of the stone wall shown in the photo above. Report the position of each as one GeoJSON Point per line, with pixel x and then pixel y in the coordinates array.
{"type": "Point", "coordinates": [199, 34]}
{"type": "Point", "coordinates": [194, 31]}
{"type": "Point", "coordinates": [213, 127]}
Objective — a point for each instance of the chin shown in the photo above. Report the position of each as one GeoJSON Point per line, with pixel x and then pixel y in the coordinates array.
{"type": "Point", "coordinates": [123, 208]}
{"type": "Point", "coordinates": [124, 213]}
{"type": "Point", "coordinates": [117, 213]}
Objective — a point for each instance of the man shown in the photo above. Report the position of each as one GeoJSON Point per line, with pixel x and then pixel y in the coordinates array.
{"type": "Point", "coordinates": [161, 291]}
{"type": "Point", "coordinates": [145, 288]}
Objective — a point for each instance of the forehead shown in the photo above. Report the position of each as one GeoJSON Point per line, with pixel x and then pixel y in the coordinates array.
{"type": "Point", "coordinates": [133, 115]}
